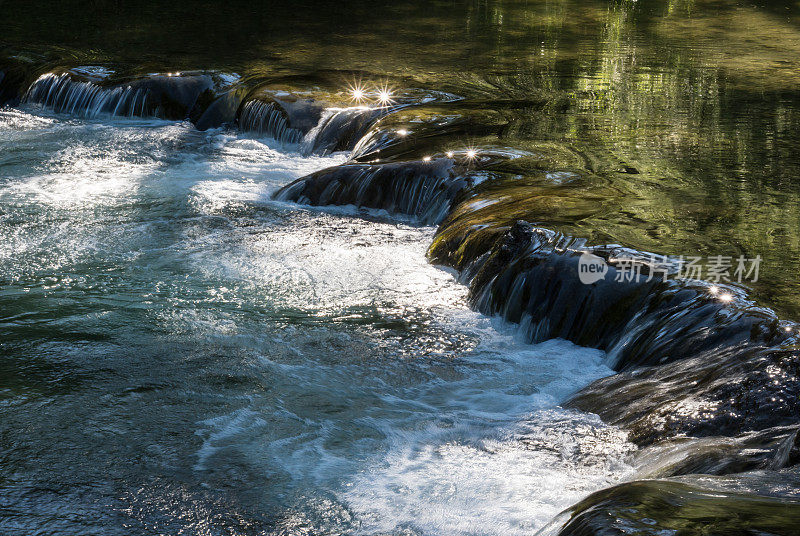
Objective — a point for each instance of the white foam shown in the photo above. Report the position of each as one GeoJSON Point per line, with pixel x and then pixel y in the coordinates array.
{"type": "Point", "coordinates": [444, 483]}
{"type": "Point", "coordinates": [487, 464]}
{"type": "Point", "coordinates": [83, 180]}
{"type": "Point", "coordinates": [13, 120]}
{"type": "Point", "coordinates": [478, 447]}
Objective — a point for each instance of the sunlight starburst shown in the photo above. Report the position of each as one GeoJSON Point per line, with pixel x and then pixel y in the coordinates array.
{"type": "Point", "coordinates": [385, 96]}
{"type": "Point", "coordinates": [357, 92]}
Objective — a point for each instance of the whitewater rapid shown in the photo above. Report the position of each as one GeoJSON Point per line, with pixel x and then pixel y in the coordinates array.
{"type": "Point", "coordinates": [270, 365]}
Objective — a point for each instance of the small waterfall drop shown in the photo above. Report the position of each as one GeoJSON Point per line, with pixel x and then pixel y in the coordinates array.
{"type": "Point", "coordinates": [340, 129]}
{"type": "Point", "coordinates": [266, 119]}
{"type": "Point", "coordinates": [424, 190]}
{"type": "Point", "coordinates": [63, 94]}
{"type": "Point", "coordinates": [317, 130]}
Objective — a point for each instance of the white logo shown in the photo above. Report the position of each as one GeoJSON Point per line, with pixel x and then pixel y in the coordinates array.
{"type": "Point", "coordinates": [591, 268]}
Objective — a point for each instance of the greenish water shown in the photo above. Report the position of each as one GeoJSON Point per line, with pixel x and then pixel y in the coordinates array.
{"type": "Point", "coordinates": [179, 354]}
{"type": "Point", "coordinates": [701, 97]}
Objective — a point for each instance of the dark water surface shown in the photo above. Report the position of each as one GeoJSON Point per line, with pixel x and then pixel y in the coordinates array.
{"type": "Point", "coordinates": [179, 354]}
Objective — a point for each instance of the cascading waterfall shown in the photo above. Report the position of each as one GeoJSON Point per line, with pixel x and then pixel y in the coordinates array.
{"type": "Point", "coordinates": [340, 129]}
{"type": "Point", "coordinates": [529, 277]}
{"type": "Point", "coordinates": [316, 130]}
{"type": "Point", "coordinates": [64, 94]}
{"type": "Point", "coordinates": [424, 190]}
{"type": "Point", "coordinates": [689, 364]}
{"type": "Point", "coordinates": [264, 118]}
{"type": "Point", "coordinates": [310, 138]}
{"type": "Point", "coordinates": [708, 386]}
{"type": "Point", "coordinates": [304, 123]}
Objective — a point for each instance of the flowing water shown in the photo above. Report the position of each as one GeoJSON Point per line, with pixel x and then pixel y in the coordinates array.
{"type": "Point", "coordinates": [180, 353]}
{"type": "Point", "coordinates": [184, 355]}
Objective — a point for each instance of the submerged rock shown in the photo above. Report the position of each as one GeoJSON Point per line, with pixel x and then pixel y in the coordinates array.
{"type": "Point", "coordinates": [757, 503]}
{"type": "Point", "coordinates": [218, 110]}
{"type": "Point", "coordinates": [9, 88]}
{"type": "Point", "coordinates": [183, 96]}
{"type": "Point", "coordinates": [770, 449]}
{"type": "Point", "coordinates": [714, 392]}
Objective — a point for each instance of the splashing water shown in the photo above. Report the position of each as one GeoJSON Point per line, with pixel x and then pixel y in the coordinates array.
{"type": "Point", "coordinates": [236, 364]}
